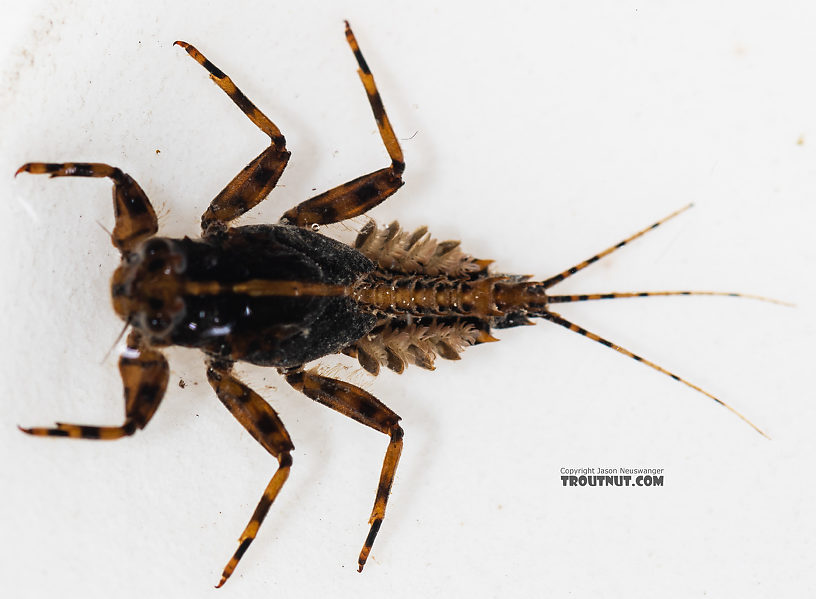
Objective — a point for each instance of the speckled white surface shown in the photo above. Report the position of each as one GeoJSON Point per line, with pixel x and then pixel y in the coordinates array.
{"type": "Point", "coordinates": [538, 133]}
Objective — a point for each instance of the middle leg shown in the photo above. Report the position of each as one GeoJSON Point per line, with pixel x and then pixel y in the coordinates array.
{"type": "Point", "coordinates": [259, 177]}
{"type": "Point", "coordinates": [263, 423]}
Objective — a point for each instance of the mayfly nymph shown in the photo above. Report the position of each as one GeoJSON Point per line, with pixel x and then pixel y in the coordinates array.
{"type": "Point", "coordinates": [284, 295]}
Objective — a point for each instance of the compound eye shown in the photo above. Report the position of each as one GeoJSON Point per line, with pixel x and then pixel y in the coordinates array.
{"type": "Point", "coordinates": [159, 324]}
{"type": "Point", "coordinates": [161, 316]}
{"type": "Point", "coordinates": [163, 255]}
{"type": "Point", "coordinates": [154, 247]}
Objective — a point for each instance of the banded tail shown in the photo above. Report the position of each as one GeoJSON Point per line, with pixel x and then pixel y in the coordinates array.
{"type": "Point", "coordinates": [539, 307]}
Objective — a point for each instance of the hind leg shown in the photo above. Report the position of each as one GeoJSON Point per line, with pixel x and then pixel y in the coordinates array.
{"type": "Point", "coordinates": [363, 193]}
{"type": "Point", "coordinates": [366, 409]}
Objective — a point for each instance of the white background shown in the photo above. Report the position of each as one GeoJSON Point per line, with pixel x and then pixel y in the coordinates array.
{"type": "Point", "coordinates": [538, 133]}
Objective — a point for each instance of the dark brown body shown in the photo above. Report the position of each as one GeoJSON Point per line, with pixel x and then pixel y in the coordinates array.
{"type": "Point", "coordinates": [283, 295]}
{"type": "Point", "coordinates": [280, 295]}
{"type": "Point", "coordinates": [267, 330]}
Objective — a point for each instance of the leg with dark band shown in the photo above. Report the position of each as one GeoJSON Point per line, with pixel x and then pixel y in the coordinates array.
{"type": "Point", "coordinates": [365, 409]}
{"type": "Point", "coordinates": [144, 375]}
{"type": "Point", "coordinates": [135, 218]}
{"type": "Point", "coordinates": [260, 176]}
{"type": "Point", "coordinates": [263, 423]}
{"type": "Point", "coordinates": [362, 194]}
